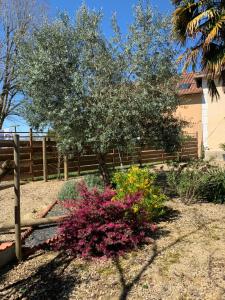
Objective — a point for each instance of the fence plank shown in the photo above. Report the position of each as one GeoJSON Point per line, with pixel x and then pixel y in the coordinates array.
{"type": "Point", "coordinates": [37, 161]}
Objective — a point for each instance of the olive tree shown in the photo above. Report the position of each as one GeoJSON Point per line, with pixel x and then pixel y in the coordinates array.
{"type": "Point", "coordinates": [100, 92]}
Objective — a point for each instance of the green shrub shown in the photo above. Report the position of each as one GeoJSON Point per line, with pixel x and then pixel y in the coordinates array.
{"type": "Point", "coordinates": [68, 191]}
{"type": "Point", "coordinates": [198, 181]}
{"type": "Point", "coordinates": [140, 180]}
{"type": "Point", "coordinates": [94, 180]}
{"type": "Point", "coordinates": [212, 186]}
{"type": "Point", "coordinates": [185, 184]}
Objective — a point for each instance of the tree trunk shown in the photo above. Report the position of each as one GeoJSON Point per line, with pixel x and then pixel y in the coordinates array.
{"type": "Point", "coordinates": [103, 169]}
{"type": "Point", "coordinates": [2, 118]}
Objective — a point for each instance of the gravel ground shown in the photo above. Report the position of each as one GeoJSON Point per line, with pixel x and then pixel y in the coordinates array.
{"type": "Point", "coordinates": [35, 197]}
{"type": "Point", "coordinates": [186, 261]}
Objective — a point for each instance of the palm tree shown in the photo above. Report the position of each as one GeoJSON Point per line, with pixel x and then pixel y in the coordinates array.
{"type": "Point", "coordinates": [201, 23]}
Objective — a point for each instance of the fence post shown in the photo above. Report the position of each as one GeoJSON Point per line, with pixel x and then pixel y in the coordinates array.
{"type": "Point", "coordinates": [59, 165]}
{"type": "Point", "coordinates": [140, 158]}
{"type": "Point", "coordinates": [163, 157]}
{"type": "Point", "coordinates": [45, 173]}
{"type": "Point", "coordinates": [18, 247]}
{"type": "Point", "coordinates": [78, 164]}
{"type": "Point", "coordinates": [31, 153]}
{"type": "Point", "coordinates": [65, 167]}
{"type": "Point", "coordinates": [114, 159]}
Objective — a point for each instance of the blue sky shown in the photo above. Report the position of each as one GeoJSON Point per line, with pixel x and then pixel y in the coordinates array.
{"type": "Point", "coordinates": [123, 8]}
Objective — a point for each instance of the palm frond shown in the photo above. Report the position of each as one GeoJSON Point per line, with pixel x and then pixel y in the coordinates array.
{"type": "Point", "coordinates": [193, 25]}
{"type": "Point", "coordinates": [202, 22]}
{"type": "Point", "coordinates": [214, 32]}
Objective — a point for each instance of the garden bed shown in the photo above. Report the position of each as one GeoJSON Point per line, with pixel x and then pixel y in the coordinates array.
{"type": "Point", "coordinates": [35, 197]}
{"type": "Point", "coordinates": [186, 261]}
{"type": "Point", "coordinates": [43, 233]}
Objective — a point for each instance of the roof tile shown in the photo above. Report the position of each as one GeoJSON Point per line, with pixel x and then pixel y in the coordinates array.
{"type": "Point", "coordinates": [189, 80]}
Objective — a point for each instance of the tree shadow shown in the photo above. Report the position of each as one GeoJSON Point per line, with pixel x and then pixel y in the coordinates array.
{"type": "Point", "coordinates": [210, 274]}
{"type": "Point", "coordinates": [48, 282]}
{"type": "Point", "coordinates": [170, 215]}
{"type": "Point", "coordinates": [126, 287]}
{"type": "Point", "coordinates": [4, 186]}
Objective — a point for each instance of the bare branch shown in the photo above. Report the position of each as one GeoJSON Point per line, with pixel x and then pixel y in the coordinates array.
{"type": "Point", "coordinates": [17, 20]}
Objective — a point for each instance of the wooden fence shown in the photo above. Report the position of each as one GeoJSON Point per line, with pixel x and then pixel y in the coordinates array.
{"type": "Point", "coordinates": [41, 158]}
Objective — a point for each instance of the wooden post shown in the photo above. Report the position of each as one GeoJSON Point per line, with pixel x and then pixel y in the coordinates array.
{"type": "Point", "coordinates": [31, 154]}
{"type": "Point", "coordinates": [45, 173]}
{"type": "Point", "coordinates": [114, 159]}
{"type": "Point", "coordinates": [163, 158]}
{"type": "Point", "coordinates": [58, 165]}
{"type": "Point", "coordinates": [65, 167]}
{"type": "Point", "coordinates": [140, 158]}
{"type": "Point", "coordinates": [78, 164]}
{"type": "Point", "coordinates": [17, 197]}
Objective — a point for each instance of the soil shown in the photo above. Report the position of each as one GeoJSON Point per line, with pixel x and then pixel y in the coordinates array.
{"type": "Point", "coordinates": [35, 197]}
{"type": "Point", "coordinates": [44, 232]}
{"type": "Point", "coordinates": [185, 261]}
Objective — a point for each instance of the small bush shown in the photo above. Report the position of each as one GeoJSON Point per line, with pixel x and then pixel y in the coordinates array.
{"type": "Point", "coordinates": [99, 226]}
{"type": "Point", "coordinates": [142, 181]}
{"type": "Point", "coordinates": [68, 191]}
{"type": "Point", "coordinates": [198, 181]}
{"type": "Point", "coordinates": [212, 186]}
{"type": "Point", "coordinates": [94, 180]}
{"type": "Point", "coordinates": [185, 184]}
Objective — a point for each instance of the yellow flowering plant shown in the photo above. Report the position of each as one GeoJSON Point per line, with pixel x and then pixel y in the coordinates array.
{"type": "Point", "coordinates": [140, 180]}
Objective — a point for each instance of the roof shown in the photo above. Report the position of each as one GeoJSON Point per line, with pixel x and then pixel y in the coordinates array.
{"type": "Point", "coordinates": [188, 85]}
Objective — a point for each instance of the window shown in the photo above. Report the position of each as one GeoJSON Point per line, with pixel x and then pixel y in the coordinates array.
{"type": "Point", "coordinates": [198, 82]}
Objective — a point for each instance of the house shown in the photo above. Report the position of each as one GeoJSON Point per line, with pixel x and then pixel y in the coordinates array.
{"type": "Point", "coordinates": [205, 116]}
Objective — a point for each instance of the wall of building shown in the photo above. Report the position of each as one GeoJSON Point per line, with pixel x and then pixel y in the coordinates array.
{"type": "Point", "coordinates": [215, 116]}
{"type": "Point", "coordinates": [190, 110]}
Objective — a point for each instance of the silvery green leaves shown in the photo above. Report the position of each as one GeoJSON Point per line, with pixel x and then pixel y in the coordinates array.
{"type": "Point", "coordinates": [100, 92]}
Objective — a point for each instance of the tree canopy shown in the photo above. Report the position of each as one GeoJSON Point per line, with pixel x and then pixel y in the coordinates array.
{"type": "Point", "coordinates": [102, 92]}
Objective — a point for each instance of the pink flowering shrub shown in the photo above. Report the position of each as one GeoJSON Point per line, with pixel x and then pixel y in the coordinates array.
{"type": "Point", "coordinates": [99, 226]}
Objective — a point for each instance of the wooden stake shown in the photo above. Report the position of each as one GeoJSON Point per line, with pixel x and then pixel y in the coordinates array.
{"type": "Point", "coordinates": [78, 164]}
{"type": "Point", "coordinates": [65, 167]}
{"type": "Point", "coordinates": [31, 153]}
{"type": "Point", "coordinates": [17, 197]}
{"type": "Point", "coordinates": [34, 222]}
{"type": "Point", "coordinates": [45, 173]}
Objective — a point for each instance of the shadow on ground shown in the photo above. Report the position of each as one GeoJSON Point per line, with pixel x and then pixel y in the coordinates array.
{"type": "Point", "coordinates": [48, 282]}
{"type": "Point", "coordinates": [126, 287]}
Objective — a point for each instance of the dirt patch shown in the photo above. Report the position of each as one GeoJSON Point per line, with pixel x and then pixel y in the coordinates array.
{"type": "Point", "coordinates": [35, 197]}
{"type": "Point", "coordinates": [186, 261]}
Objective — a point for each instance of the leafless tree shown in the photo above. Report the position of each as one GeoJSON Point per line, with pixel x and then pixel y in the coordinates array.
{"type": "Point", "coordinates": [17, 19]}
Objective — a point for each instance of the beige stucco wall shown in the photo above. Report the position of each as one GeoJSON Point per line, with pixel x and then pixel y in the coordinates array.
{"type": "Point", "coordinates": [190, 110]}
{"type": "Point", "coordinates": [216, 120]}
